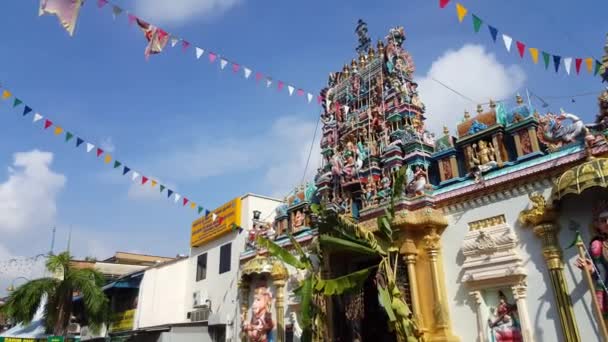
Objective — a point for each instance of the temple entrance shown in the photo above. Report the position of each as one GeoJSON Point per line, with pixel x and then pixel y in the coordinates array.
{"type": "Point", "coordinates": [374, 326]}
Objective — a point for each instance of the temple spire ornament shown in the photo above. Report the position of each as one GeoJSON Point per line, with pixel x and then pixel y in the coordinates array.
{"type": "Point", "coordinates": [364, 40]}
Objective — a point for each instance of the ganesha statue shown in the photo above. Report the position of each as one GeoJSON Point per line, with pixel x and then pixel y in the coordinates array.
{"type": "Point", "coordinates": [259, 328]}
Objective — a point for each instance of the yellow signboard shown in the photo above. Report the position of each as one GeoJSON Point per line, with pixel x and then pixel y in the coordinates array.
{"type": "Point", "coordinates": [122, 321]}
{"type": "Point", "coordinates": [206, 229]}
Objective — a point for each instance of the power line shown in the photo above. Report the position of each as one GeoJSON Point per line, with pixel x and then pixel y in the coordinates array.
{"type": "Point", "coordinates": [312, 144]}
{"type": "Point", "coordinates": [452, 90]}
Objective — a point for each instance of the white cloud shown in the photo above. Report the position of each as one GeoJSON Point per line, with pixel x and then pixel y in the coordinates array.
{"type": "Point", "coordinates": [181, 11]}
{"type": "Point", "coordinates": [107, 145]}
{"type": "Point", "coordinates": [474, 73]}
{"type": "Point", "coordinates": [28, 197]}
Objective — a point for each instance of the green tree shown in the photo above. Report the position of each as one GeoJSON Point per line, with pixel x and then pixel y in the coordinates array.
{"type": "Point", "coordinates": [23, 303]}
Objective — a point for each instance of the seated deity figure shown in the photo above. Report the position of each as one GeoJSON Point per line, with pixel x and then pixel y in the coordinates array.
{"type": "Point", "coordinates": [504, 325]}
{"type": "Point", "coordinates": [481, 159]}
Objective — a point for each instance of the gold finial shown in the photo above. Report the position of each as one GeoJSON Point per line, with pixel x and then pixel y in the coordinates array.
{"type": "Point", "coordinates": [362, 60]}
{"type": "Point", "coordinates": [380, 47]}
{"type": "Point", "coordinates": [446, 131]}
{"type": "Point", "coordinates": [467, 116]}
{"type": "Point", "coordinates": [492, 104]}
{"type": "Point", "coordinates": [346, 69]}
{"type": "Point", "coordinates": [519, 100]}
{"type": "Point", "coordinates": [353, 63]}
{"type": "Point", "coordinates": [371, 53]}
{"type": "Point", "coordinates": [479, 109]}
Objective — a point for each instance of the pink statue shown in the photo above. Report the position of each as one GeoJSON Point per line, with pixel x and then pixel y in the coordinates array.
{"type": "Point", "coordinates": [504, 325]}
{"type": "Point", "coordinates": [260, 327]}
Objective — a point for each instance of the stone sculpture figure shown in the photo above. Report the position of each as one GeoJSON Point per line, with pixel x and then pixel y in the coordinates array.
{"type": "Point", "coordinates": [504, 324]}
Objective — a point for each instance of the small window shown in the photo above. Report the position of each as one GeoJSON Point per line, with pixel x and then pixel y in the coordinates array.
{"type": "Point", "coordinates": [201, 267]}
{"type": "Point", "coordinates": [225, 254]}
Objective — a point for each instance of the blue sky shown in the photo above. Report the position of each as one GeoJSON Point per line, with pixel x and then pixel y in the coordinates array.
{"type": "Point", "coordinates": [211, 134]}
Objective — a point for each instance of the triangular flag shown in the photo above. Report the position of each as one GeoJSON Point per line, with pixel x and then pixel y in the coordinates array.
{"type": "Point", "coordinates": [153, 183]}
{"type": "Point", "coordinates": [58, 130]}
{"type": "Point", "coordinates": [577, 64]}
{"type": "Point", "coordinates": [546, 58]}
{"type": "Point", "coordinates": [223, 63]}
{"type": "Point", "coordinates": [90, 147]}
{"type": "Point", "coordinates": [534, 54]}
{"type": "Point", "coordinates": [107, 159]}
{"type": "Point", "coordinates": [589, 62]}
{"type": "Point", "coordinates": [199, 52]}
{"type": "Point", "coordinates": [556, 60]}
{"type": "Point", "coordinates": [101, 3]}
{"type": "Point", "coordinates": [319, 99]}
{"type": "Point", "coordinates": [247, 72]}
{"type": "Point", "coordinates": [567, 64]}
{"type": "Point", "coordinates": [207, 212]}
{"type": "Point", "coordinates": [117, 164]}
{"type": "Point", "coordinates": [134, 175]}
{"type": "Point", "coordinates": [174, 41]}
{"type": "Point", "coordinates": [507, 40]}
{"type": "Point", "coordinates": [162, 188]}
{"type": "Point", "coordinates": [68, 136]}
{"type": "Point", "coordinates": [26, 110]}
{"type": "Point", "coordinates": [79, 141]}
{"type": "Point", "coordinates": [37, 117]}
{"type": "Point", "coordinates": [214, 217]}
{"type": "Point", "coordinates": [346, 109]}
{"type": "Point", "coordinates": [17, 102]}
{"type": "Point", "coordinates": [493, 32]}
{"type": "Point", "coordinates": [185, 45]}
{"type": "Point", "coordinates": [268, 82]}
{"type": "Point", "coordinates": [461, 11]}
{"type": "Point", "coordinates": [309, 97]}
{"type": "Point", "coordinates": [176, 198]}
{"type": "Point", "coordinates": [521, 47]}
{"type": "Point", "coordinates": [99, 151]}
{"type": "Point", "coordinates": [125, 170]}
{"type": "Point", "coordinates": [192, 205]}
{"type": "Point", "coordinates": [116, 11]}
{"type": "Point", "coordinates": [144, 179]}
{"type": "Point", "coordinates": [185, 201]}
{"type": "Point", "coordinates": [212, 57]}
{"type": "Point", "coordinates": [476, 23]}
{"type": "Point", "coordinates": [235, 67]}
{"type": "Point", "coordinates": [598, 65]}
{"type": "Point", "coordinates": [220, 219]}
{"type": "Point", "coordinates": [300, 92]}
{"type": "Point", "coordinates": [258, 76]}
{"type": "Point", "coordinates": [169, 193]}
{"type": "Point", "coordinates": [47, 123]}
{"type": "Point", "coordinates": [443, 3]}
{"type": "Point", "coordinates": [290, 89]}
{"type": "Point", "coordinates": [132, 19]}
{"type": "Point", "coordinates": [6, 94]}
{"type": "Point", "coordinates": [280, 85]}
{"type": "Point", "coordinates": [200, 209]}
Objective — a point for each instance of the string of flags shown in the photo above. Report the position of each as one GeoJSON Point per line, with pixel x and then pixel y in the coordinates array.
{"type": "Point", "coordinates": [593, 66]}
{"type": "Point", "coordinates": [80, 143]}
{"type": "Point", "coordinates": [67, 11]}
{"type": "Point", "coordinates": [22, 265]}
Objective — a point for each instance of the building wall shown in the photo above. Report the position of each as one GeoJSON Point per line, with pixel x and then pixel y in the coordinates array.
{"type": "Point", "coordinates": [222, 289]}
{"type": "Point", "coordinates": [162, 295]}
{"type": "Point", "coordinates": [540, 299]}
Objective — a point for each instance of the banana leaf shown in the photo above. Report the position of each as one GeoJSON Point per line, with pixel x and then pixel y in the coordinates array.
{"type": "Point", "coordinates": [385, 301]}
{"type": "Point", "coordinates": [346, 245]}
{"type": "Point", "coordinates": [306, 303]}
{"type": "Point", "coordinates": [347, 283]}
{"type": "Point", "coordinates": [385, 227]}
{"type": "Point", "coordinates": [302, 254]}
{"type": "Point", "coordinates": [281, 253]}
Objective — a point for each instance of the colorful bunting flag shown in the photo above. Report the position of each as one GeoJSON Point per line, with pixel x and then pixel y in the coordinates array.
{"type": "Point", "coordinates": [169, 192]}
{"type": "Point", "coordinates": [507, 40]}
{"type": "Point", "coordinates": [174, 41]}
{"type": "Point", "coordinates": [589, 62]}
{"type": "Point", "coordinates": [207, 212]}
{"type": "Point", "coordinates": [144, 179]}
{"type": "Point", "coordinates": [223, 63]}
{"type": "Point", "coordinates": [212, 57]}
{"type": "Point", "coordinates": [66, 11]}
{"type": "Point", "coordinates": [214, 217]}
{"type": "Point", "coordinates": [556, 60]}
{"type": "Point", "coordinates": [258, 76]}
{"type": "Point", "coordinates": [200, 209]}
{"type": "Point", "coordinates": [546, 58]}
{"type": "Point", "coordinates": [176, 197]}
{"type": "Point", "coordinates": [280, 85]}
{"type": "Point", "coordinates": [58, 130]}
{"type": "Point", "coordinates": [476, 23]}
{"type": "Point", "coordinates": [47, 123]}
{"type": "Point", "coordinates": [577, 64]}
{"type": "Point", "coordinates": [290, 89]}
{"type": "Point", "coordinates": [235, 67]}
{"type": "Point", "coordinates": [79, 141]}
{"type": "Point", "coordinates": [101, 3]}
{"type": "Point", "coordinates": [567, 64]}
{"type": "Point", "coordinates": [116, 11]}
{"type": "Point", "coordinates": [26, 110]}
{"type": "Point", "coordinates": [132, 19]}
{"type": "Point", "coordinates": [107, 159]}
{"type": "Point", "coordinates": [185, 45]}
{"type": "Point", "coordinates": [68, 136]}
{"type": "Point", "coordinates": [134, 175]}
{"type": "Point", "coordinates": [6, 94]}
{"type": "Point", "coordinates": [268, 82]}
{"type": "Point", "coordinates": [162, 188]}
{"type": "Point", "coordinates": [247, 72]}
{"type": "Point", "coordinates": [493, 32]}
{"type": "Point", "coordinates": [521, 47]}
{"type": "Point", "coordinates": [153, 183]}
{"type": "Point", "coordinates": [309, 97]}
{"type": "Point", "coordinates": [443, 3]}
{"type": "Point", "coordinates": [17, 102]}
{"type": "Point", "coordinates": [220, 219]}
{"type": "Point", "coordinates": [598, 65]}
{"type": "Point", "coordinates": [90, 147]}
{"type": "Point", "coordinates": [534, 54]}
{"type": "Point", "coordinates": [117, 164]}
{"type": "Point", "coordinates": [125, 170]}
{"type": "Point", "coordinates": [99, 151]}
{"type": "Point", "coordinates": [461, 11]}
{"type": "Point", "coordinates": [185, 201]}
{"type": "Point", "coordinates": [192, 205]}
{"type": "Point", "coordinates": [37, 117]}
{"type": "Point", "coordinates": [199, 52]}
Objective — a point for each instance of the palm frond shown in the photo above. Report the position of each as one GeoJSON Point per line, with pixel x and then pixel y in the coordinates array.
{"type": "Point", "coordinates": [23, 303]}
{"type": "Point", "coordinates": [89, 283]}
{"type": "Point", "coordinates": [347, 283]}
{"type": "Point", "coordinates": [59, 262]}
{"type": "Point", "coordinates": [281, 253]}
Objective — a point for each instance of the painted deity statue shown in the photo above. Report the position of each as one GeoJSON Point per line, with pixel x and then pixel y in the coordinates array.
{"type": "Point", "coordinates": [598, 250]}
{"type": "Point", "coordinates": [416, 181]}
{"type": "Point", "coordinates": [555, 132]}
{"type": "Point", "coordinates": [504, 325]}
{"type": "Point", "coordinates": [259, 329]}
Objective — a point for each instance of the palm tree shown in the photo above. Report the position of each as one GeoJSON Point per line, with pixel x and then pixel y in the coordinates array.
{"type": "Point", "coordinates": [23, 303]}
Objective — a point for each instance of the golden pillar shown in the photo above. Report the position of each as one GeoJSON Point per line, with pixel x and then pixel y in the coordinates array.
{"type": "Point", "coordinates": [279, 276]}
{"type": "Point", "coordinates": [541, 217]}
{"type": "Point", "coordinates": [409, 254]}
{"type": "Point", "coordinates": [244, 285]}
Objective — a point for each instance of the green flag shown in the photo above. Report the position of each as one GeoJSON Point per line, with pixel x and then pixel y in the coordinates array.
{"type": "Point", "coordinates": [68, 136]}
{"type": "Point", "coordinates": [577, 239]}
{"type": "Point", "coordinates": [598, 65]}
{"type": "Point", "coordinates": [200, 209]}
{"type": "Point", "coordinates": [476, 23]}
{"type": "Point", "coordinates": [546, 58]}
{"type": "Point", "coordinates": [117, 164]}
{"type": "Point", "coordinates": [17, 102]}
{"type": "Point", "coordinates": [162, 188]}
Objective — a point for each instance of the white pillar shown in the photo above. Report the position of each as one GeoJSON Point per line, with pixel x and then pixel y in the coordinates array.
{"type": "Point", "coordinates": [477, 301]}
{"type": "Point", "coordinates": [519, 293]}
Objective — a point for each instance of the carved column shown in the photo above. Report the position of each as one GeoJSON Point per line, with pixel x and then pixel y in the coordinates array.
{"type": "Point", "coordinates": [542, 218]}
{"type": "Point", "coordinates": [519, 293]}
{"type": "Point", "coordinates": [410, 261]}
{"type": "Point", "coordinates": [477, 301]}
{"type": "Point", "coordinates": [244, 303]}
{"type": "Point", "coordinates": [279, 279]}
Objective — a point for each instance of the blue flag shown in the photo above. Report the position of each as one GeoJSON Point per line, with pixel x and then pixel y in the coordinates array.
{"type": "Point", "coordinates": [493, 32]}
{"type": "Point", "coordinates": [556, 60]}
